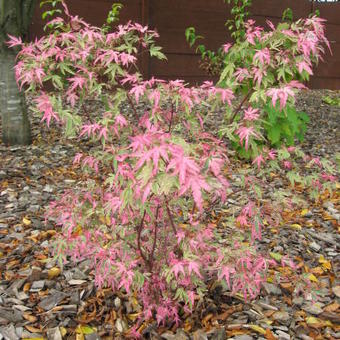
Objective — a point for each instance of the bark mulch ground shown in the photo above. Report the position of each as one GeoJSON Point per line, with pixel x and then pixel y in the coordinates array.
{"type": "Point", "coordinates": [38, 300]}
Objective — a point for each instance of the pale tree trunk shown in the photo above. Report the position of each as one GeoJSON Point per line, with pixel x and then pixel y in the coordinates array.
{"type": "Point", "coordinates": [15, 124]}
{"type": "Point", "coordinates": [15, 17]}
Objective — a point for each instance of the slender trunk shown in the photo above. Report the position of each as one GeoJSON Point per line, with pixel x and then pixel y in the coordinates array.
{"type": "Point", "coordinates": [15, 124]}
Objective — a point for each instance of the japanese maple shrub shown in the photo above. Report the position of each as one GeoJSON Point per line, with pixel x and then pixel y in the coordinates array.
{"type": "Point", "coordinates": [266, 68]}
{"type": "Point", "coordinates": [141, 219]}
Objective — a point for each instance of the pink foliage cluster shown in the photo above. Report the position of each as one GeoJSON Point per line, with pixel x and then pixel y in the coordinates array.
{"type": "Point", "coordinates": [141, 221]}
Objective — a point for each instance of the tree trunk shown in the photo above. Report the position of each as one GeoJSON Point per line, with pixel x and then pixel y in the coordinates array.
{"type": "Point", "coordinates": [15, 124]}
{"type": "Point", "coordinates": [15, 18]}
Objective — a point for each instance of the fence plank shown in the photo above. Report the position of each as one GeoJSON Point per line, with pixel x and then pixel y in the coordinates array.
{"type": "Point", "coordinates": [172, 17]}
{"type": "Point", "coordinates": [329, 11]}
{"type": "Point", "coordinates": [275, 8]}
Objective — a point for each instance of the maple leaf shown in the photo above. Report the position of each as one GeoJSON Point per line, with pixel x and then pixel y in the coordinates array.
{"type": "Point", "coordinates": [282, 94]}
{"type": "Point", "coordinates": [194, 267]}
{"type": "Point", "coordinates": [241, 73]}
{"type": "Point", "coordinates": [259, 160]}
{"type": "Point", "coordinates": [251, 114]}
{"type": "Point", "coordinates": [44, 105]}
{"type": "Point", "coordinates": [215, 165]}
{"type": "Point", "coordinates": [226, 47]}
{"type": "Point", "coordinates": [178, 268]}
{"type": "Point", "coordinates": [303, 65]}
{"type": "Point", "coordinates": [245, 133]}
{"type": "Point", "coordinates": [225, 273]}
{"type": "Point", "coordinates": [137, 90]}
{"type": "Point", "coordinates": [120, 120]}
{"type": "Point", "coordinates": [270, 24]}
{"type": "Point", "coordinates": [126, 58]}
{"type": "Point", "coordinates": [180, 235]}
{"type": "Point", "coordinates": [14, 41]}
{"type": "Point", "coordinates": [258, 74]}
{"type": "Point", "coordinates": [242, 219]}
{"type": "Point", "coordinates": [77, 81]}
{"type": "Point", "coordinates": [263, 56]}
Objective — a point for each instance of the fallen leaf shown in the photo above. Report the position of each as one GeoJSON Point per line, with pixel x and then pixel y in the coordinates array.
{"type": "Point", "coordinates": [258, 329]}
{"type": "Point", "coordinates": [332, 307]}
{"type": "Point", "coordinates": [286, 285]}
{"type": "Point", "coordinates": [312, 278]}
{"type": "Point", "coordinates": [206, 319]}
{"type": "Point", "coordinates": [63, 331]}
{"type": "Point", "coordinates": [76, 282]}
{"type": "Point", "coordinates": [296, 226]}
{"type": "Point", "coordinates": [312, 320]}
{"type": "Point", "coordinates": [188, 325]}
{"type": "Point", "coordinates": [26, 221]}
{"type": "Point", "coordinates": [269, 335]}
{"type": "Point", "coordinates": [53, 272]}
{"type": "Point", "coordinates": [317, 271]}
{"type": "Point", "coordinates": [85, 329]}
{"type": "Point", "coordinates": [317, 323]}
{"type": "Point", "coordinates": [32, 329]}
{"type": "Point", "coordinates": [276, 256]}
{"type": "Point", "coordinates": [325, 264]}
{"type": "Point", "coordinates": [29, 317]}
{"type": "Point", "coordinates": [27, 287]}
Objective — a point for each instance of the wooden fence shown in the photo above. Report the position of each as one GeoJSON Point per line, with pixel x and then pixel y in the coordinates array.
{"type": "Point", "coordinates": [172, 17]}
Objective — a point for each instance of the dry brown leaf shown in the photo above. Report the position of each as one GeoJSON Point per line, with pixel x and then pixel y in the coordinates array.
{"type": "Point", "coordinates": [317, 271]}
{"type": "Point", "coordinates": [53, 272]}
{"type": "Point", "coordinates": [26, 221]}
{"type": "Point", "coordinates": [206, 319]}
{"type": "Point", "coordinates": [269, 335]}
{"type": "Point", "coordinates": [332, 307]}
{"type": "Point", "coordinates": [80, 336]}
{"type": "Point", "coordinates": [225, 315]}
{"type": "Point", "coordinates": [258, 329]}
{"type": "Point", "coordinates": [27, 287]}
{"type": "Point", "coordinates": [29, 317]}
{"type": "Point", "coordinates": [33, 329]}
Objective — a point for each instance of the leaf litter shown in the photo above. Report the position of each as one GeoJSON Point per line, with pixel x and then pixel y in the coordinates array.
{"type": "Point", "coordinates": [40, 300]}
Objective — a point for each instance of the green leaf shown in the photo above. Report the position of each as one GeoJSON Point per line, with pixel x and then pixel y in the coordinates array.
{"type": "Point", "coordinates": [139, 278]}
{"type": "Point", "coordinates": [64, 67]}
{"type": "Point", "coordinates": [166, 183]}
{"type": "Point", "coordinates": [293, 119]}
{"type": "Point", "coordinates": [86, 329]}
{"type": "Point", "coordinates": [287, 15]}
{"type": "Point", "coordinates": [276, 256]}
{"type": "Point", "coordinates": [145, 173]}
{"type": "Point", "coordinates": [293, 177]}
{"type": "Point", "coordinates": [274, 133]}
{"type": "Point", "coordinates": [190, 35]}
{"type": "Point", "coordinates": [283, 154]}
{"type": "Point", "coordinates": [57, 83]}
{"type": "Point", "coordinates": [155, 51]}
{"type": "Point", "coordinates": [227, 71]}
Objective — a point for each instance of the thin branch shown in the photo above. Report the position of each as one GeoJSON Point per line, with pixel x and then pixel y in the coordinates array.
{"type": "Point", "coordinates": [129, 243]}
{"type": "Point", "coordinates": [139, 231]}
{"type": "Point", "coordinates": [170, 217]}
{"type": "Point", "coordinates": [193, 208]}
{"type": "Point", "coordinates": [171, 117]}
{"type": "Point", "coordinates": [154, 240]}
{"type": "Point", "coordinates": [132, 105]}
{"type": "Point", "coordinates": [240, 106]}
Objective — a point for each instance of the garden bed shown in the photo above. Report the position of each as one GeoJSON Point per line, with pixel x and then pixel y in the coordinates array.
{"type": "Point", "coordinates": [38, 300]}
